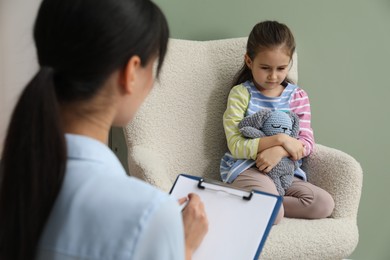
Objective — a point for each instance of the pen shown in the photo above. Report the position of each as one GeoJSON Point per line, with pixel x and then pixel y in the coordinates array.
{"type": "Point", "coordinates": [182, 206]}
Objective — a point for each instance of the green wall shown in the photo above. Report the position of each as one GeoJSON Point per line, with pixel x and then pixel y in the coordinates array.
{"type": "Point", "coordinates": [344, 57]}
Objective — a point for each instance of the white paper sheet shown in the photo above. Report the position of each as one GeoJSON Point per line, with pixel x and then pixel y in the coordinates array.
{"type": "Point", "coordinates": [237, 227]}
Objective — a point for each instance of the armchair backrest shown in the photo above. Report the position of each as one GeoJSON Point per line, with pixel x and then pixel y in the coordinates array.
{"type": "Point", "coordinates": [179, 127]}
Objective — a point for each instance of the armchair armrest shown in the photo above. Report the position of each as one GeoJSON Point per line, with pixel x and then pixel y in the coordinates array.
{"type": "Point", "coordinates": [146, 164]}
{"type": "Point", "coordinates": [339, 174]}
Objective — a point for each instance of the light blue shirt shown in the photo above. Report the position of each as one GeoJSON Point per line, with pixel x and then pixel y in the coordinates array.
{"type": "Point", "coordinates": [101, 213]}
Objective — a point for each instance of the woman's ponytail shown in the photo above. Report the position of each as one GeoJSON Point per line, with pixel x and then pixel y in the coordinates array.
{"type": "Point", "coordinates": [32, 167]}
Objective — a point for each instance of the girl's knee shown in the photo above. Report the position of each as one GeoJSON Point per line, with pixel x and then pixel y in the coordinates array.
{"type": "Point", "coordinates": [324, 205]}
{"type": "Point", "coordinates": [321, 206]}
{"type": "Point", "coordinates": [308, 201]}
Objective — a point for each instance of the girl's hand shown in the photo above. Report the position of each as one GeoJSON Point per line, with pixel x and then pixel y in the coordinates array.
{"type": "Point", "coordinates": [269, 158]}
{"type": "Point", "coordinates": [294, 147]}
{"type": "Point", "coordinates": [195, 223]}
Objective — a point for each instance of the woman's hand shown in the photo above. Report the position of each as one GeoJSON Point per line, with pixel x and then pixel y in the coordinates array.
{"type": "Point", "coordinates": [269, 158]}
{"type": "Point", "coordinates": [195, 223]}
{"type": "Point", "coordinates": [293, 146]}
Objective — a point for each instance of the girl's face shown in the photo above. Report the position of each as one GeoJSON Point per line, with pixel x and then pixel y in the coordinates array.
{"type": "Point", "coordinates": [269, 69]}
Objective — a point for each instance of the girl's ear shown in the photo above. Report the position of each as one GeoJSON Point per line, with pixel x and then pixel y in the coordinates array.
{"type": "Point", "coordinates": [128, 75]}
{"type": "Point", "coordinates": [248, 61]}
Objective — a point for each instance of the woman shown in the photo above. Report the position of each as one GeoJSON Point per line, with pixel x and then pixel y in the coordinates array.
{"type": "Point", "coordinates": [63, 193]}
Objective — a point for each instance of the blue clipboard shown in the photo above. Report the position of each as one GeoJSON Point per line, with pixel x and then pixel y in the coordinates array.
{"type": "Point", "coordinates": [239, 220]}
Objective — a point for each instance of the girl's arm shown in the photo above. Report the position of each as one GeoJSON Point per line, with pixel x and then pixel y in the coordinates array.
{"type": "Point", "coordinates": [269, 158]}
{"type": "Point", "coordinates": [300, 105]}
{"type": "Point", "coordinates": [237, 104]}
{"type": "Point", "coordinates": [291, 147]}
{"type": "Point", "coordinates": [271, 141]}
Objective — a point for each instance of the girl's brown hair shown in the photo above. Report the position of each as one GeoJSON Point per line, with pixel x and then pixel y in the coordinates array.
{"type": "Point", "coordinates": [265, 35]}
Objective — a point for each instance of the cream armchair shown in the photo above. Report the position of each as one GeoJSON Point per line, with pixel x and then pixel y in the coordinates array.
{"type": "Point", "coordinates": [179, 130]}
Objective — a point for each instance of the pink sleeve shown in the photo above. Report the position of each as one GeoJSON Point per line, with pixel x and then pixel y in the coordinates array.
{"type": "Point", "coordinates": [300, 105]}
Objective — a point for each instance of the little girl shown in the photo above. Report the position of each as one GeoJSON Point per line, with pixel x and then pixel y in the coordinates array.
{"type": "Point", "coordinates": [262, 83]}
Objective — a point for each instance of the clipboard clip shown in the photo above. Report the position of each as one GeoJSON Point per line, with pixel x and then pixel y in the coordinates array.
{"type": "Point", "coordinates": [202, 187]}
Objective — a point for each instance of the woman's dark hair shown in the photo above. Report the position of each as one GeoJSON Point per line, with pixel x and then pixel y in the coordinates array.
{"type": "Point", "coordinates": [79, 44]}
{"type": "Point", "coordinates": [265, 35]}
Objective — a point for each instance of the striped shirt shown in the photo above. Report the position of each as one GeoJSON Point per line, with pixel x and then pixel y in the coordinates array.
{"type": "Point", "coordinates": [244, 100]}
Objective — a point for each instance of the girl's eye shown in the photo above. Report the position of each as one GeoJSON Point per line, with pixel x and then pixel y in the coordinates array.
{"type": "Point", "coordinates": [281, 69]}
{"type": "Point", "coordinates": [264, 68]}
{"type": "Point", "coordinates": [276, 126]}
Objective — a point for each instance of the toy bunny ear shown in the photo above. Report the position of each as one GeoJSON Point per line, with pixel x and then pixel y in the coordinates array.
{"type": "Point", "coordinates": [256, 120]}
{"type": "Point", "coordinates": [295, 124]}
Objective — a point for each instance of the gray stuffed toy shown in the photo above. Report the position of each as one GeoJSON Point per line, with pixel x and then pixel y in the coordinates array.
{"type": "Point", "coordinates": [267, 123]}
